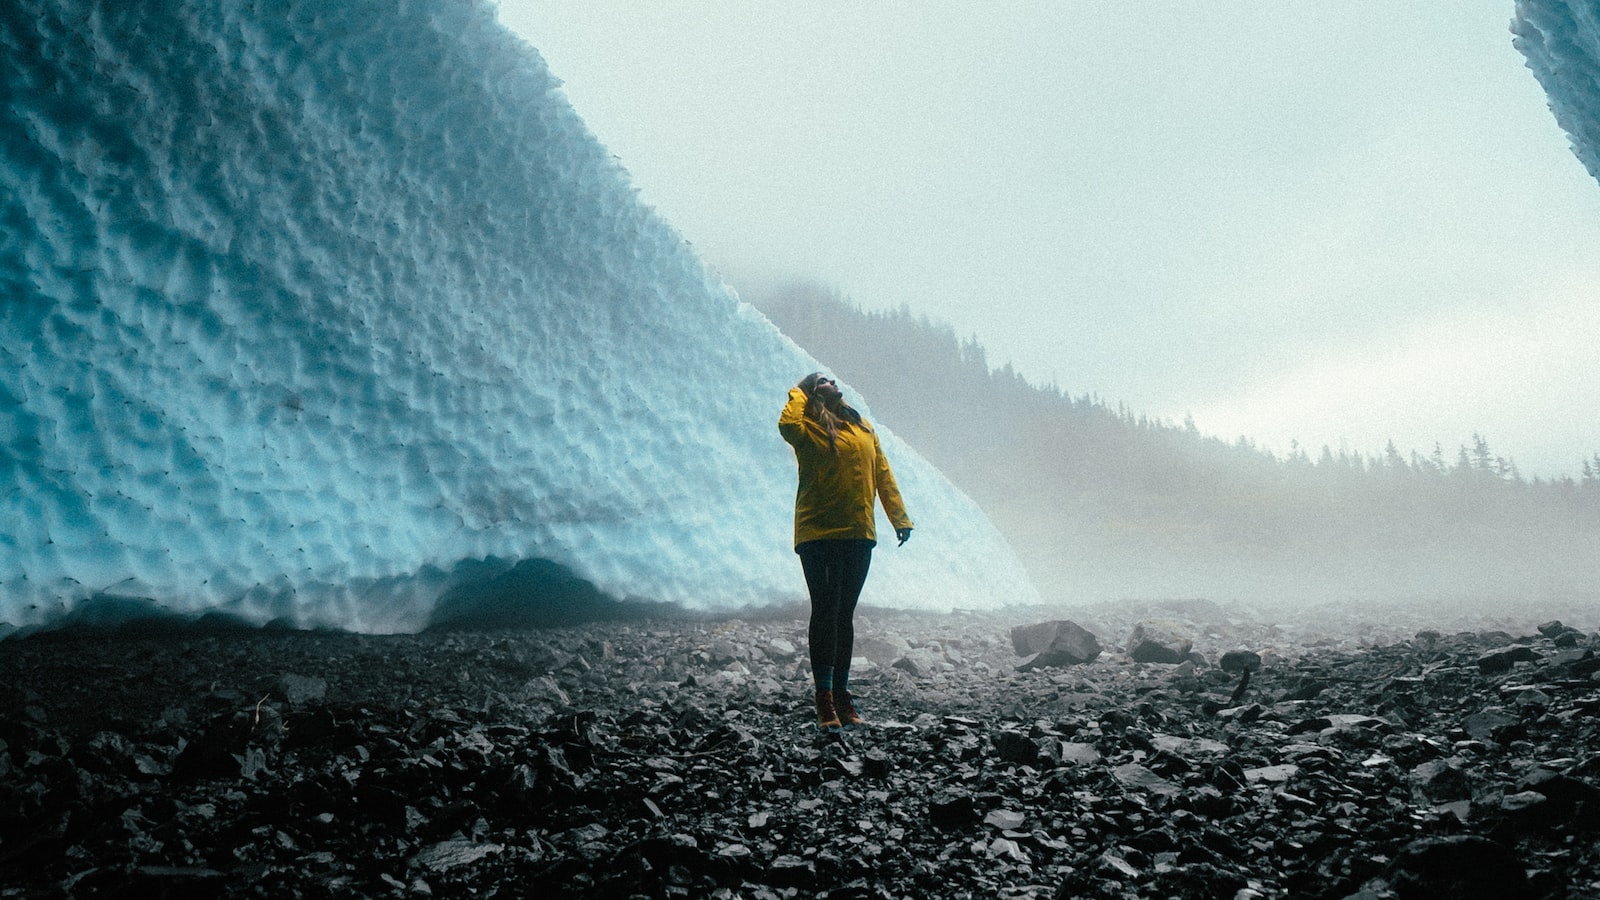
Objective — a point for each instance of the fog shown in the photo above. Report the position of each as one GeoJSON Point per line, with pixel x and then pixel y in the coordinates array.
{"type": "Point", "coordinates": [1105, 505]}
{"type": "Point", "coordinates": [1338, 224]}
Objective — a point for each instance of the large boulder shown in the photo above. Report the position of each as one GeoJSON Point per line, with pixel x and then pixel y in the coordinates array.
{"type": "Point", "coordinates": [1055, 643]}
{"type": "Point", "coordinates": [1458, 867]}
{"type": "Point", "coordinates": [1159, 641]}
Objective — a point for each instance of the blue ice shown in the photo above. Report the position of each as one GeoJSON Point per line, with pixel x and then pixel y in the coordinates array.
{"type": "Point", "coordinates": [336, 315]}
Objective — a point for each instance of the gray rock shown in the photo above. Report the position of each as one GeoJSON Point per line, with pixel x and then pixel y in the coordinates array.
{"type": "Point", "coordinates": [546, 690]}
{"type": "Point", "coordinates": [1566, 793]}
{"type": "Point", "coordinates": [1114, 866]}
{"type": "Point", "coordinates": [723, 651]}
{"type": "Point", "coordinates": [1136, 776]}
{"type": "Point", "coordinates": [1460, 867]}
{"type": "Point", "coordinates": [1159, 641]}
{"type": "Point", "coordinates": [1237, 661]}
{"type": "Point", "coordinates": [877, 764]}
{"type": "Point", "coordinates": [1489, 722]}
{"type": "Point", "coordinates": [1015, 747]}
{"type": "Point", "coordinates": [919, 662]}
{"type": "Point", "coordinates": [882, 650]}
{"type": "Point", "coordinates": [106, 752]}
{"type": "Point", "coordinates": [1188, 746]}
{"type": "Point", "coordinates": [300, 689]}
{"type": "Point", "coordinates": [447, 855]}
{"type": "Point", "coordinates": [1438, 781]}
{"type": "Point", "coordinates": [1523, 804]}
{"type": "Point", "coordinates": [1056, 643]}
{"type": "Point", "coordinates": [1503, 659]}
{"type": "Point", "coordinates": [1004, 819]}
{"type": "Point", "coordinates": [1278, 774]}
{"type": "Point", "coordinates": [952, 809]}
{"type": "Point", "coordinates": [1065, 753]}
{"type": "Point", "coordinates": [792, 871]}
{"type": "Point", "coordinates": [780, 650]}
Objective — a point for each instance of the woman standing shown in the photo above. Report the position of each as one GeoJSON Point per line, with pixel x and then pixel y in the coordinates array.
{"type": "Point", "coordinates": [842, 471]}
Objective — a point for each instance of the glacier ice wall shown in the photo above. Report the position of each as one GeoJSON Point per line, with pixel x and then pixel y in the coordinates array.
{"type": "Point", "coordinates": [327, 312]}
{"type": "Point", "coordinates": [1561, 41]}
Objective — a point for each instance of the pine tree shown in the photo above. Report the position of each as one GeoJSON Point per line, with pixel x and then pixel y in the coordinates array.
{"type": "Point", "coordinates": [1482, 459]}
{"type": "Point", "coordinates": [1392, 458]}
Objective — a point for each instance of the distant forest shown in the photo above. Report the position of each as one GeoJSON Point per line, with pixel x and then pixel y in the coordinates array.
{"type": "Point", "coordinates": [1104, 503]}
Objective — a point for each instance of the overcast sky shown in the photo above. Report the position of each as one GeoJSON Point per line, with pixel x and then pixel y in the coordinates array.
{"type": "Point", "coordinates": [1337, 223]}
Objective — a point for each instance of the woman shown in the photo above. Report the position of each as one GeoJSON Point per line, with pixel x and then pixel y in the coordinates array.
{"type": "Point", "coordinates": [842, 471]}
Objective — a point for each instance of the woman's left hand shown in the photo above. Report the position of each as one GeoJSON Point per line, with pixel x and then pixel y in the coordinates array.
{"type": "Point", "coordinates": [904, 534]}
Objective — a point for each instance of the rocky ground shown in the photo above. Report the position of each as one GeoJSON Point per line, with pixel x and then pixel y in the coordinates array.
{"type": "Point", "coordinates": [676, 757]}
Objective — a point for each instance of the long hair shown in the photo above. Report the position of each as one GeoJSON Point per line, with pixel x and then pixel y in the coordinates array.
{"type": "Point", "coordinates": [830, 418]}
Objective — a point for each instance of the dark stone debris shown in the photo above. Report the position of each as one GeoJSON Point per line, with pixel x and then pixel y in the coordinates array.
{"type": "Point", "coordinates": [677, 759]}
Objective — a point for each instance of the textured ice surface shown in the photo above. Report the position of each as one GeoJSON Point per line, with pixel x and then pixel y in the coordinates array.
{"type": "Point", "coordinates": [334, 312]}
{"type": "Point", "coordinates": [1561, 41]}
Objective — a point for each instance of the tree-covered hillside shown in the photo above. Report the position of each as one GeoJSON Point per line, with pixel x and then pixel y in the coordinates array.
{"type": "Point", "coordinates": [1104, 503]}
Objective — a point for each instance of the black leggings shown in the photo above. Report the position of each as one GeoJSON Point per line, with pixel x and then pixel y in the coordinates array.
{"type": "Point", "coordinates": [835, 572]}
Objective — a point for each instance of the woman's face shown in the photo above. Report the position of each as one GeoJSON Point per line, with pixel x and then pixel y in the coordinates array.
{"type": "Point", "coordinates": [826, 388]}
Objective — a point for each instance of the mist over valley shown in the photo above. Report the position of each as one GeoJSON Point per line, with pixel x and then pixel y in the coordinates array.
{"type": "Point", "coordinates": [1104, 503]}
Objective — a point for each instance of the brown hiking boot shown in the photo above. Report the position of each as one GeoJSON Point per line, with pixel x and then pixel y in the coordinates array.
{"type": "Point", "coordinates": [827, 716]}
{"type": "Point", "coordinates": [846, 706]}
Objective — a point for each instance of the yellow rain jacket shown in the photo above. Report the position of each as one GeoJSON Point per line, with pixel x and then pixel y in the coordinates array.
{"type": "Point", "coordinates": [834, 500]}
